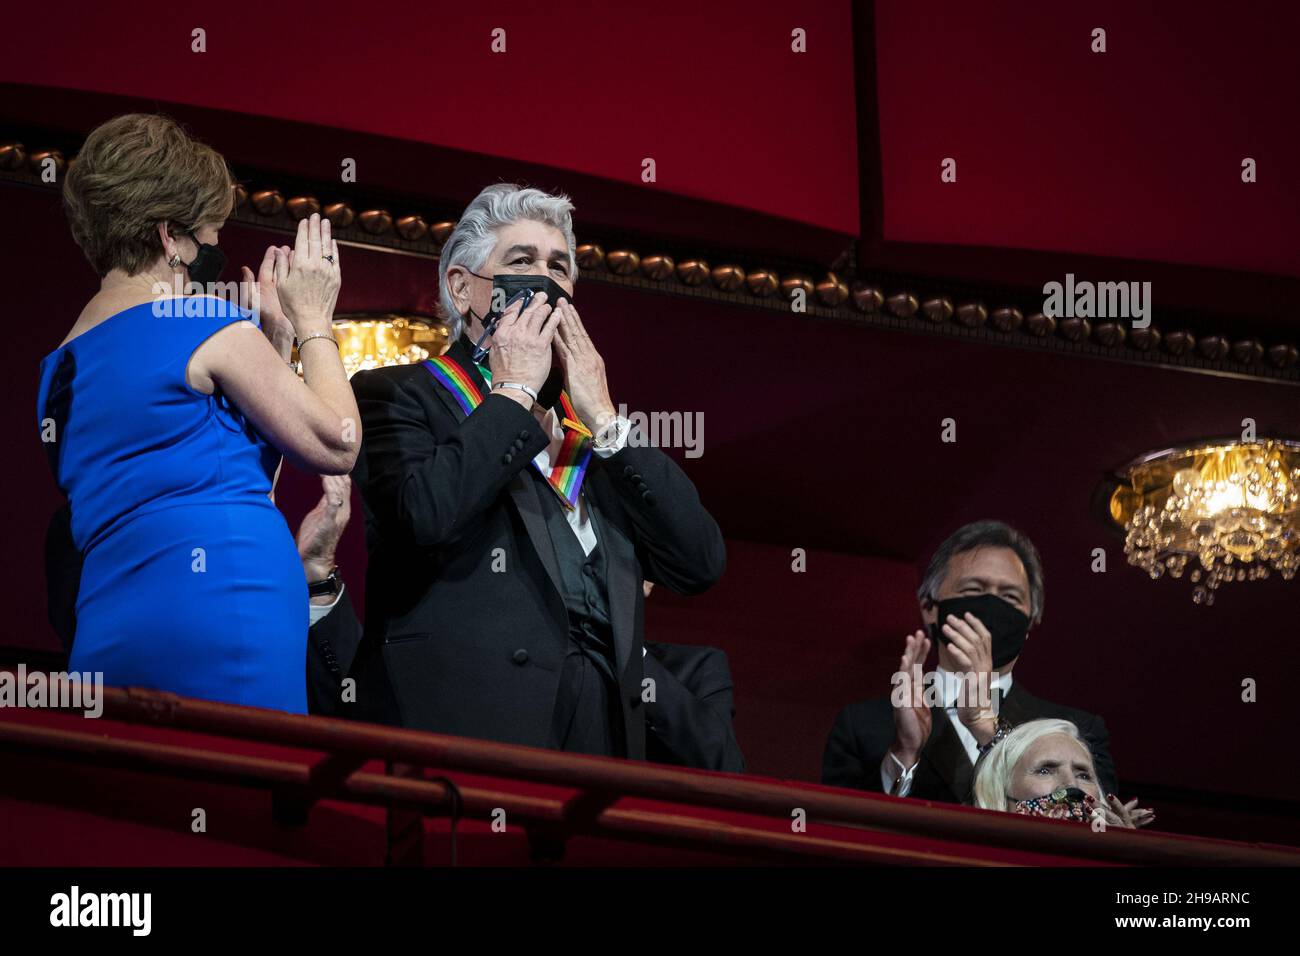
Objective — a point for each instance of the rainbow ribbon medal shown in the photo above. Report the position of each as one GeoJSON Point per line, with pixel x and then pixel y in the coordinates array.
{"type": "Point", "coordinates": [570, 463]}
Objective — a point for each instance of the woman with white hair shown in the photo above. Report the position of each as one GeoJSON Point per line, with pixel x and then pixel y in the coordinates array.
{"type": "Point", "coordinates": [1044, 768]}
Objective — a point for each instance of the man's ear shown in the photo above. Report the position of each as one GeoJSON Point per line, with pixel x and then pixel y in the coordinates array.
{"type": "Point", "coordinates": [458, 285]}
{"type": "Point", "coordinates": [927, 605]}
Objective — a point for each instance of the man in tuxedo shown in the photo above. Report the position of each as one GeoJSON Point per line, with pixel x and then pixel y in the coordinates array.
{"type": "Point", "coordinates": [334, 634]}
{"type": "Point", "coordinates": [688, 718]}
{"type": "Point", "coordinates": [982, 592]}
{"type": "Point", "coordinates": [335, 631]}
{"type": "Point", "coordinates": [510, 526]}
{"type": "Point", "coordinates": [689, 722]}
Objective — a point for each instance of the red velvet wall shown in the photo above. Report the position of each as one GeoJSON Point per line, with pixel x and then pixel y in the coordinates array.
{"type": "Point", "coordinates": [825, 437]}
{"type": "Point", "coordinates": [1134, 153]}
{"type": "Point", "coordinates": [818, 436]}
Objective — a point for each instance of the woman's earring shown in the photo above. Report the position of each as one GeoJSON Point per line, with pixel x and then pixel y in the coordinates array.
{"type": "Point", "coordinates": [175, 260]}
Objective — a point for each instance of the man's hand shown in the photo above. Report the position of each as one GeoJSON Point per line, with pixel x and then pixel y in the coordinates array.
{"type": "Point", "coordinates": [972, 648]}
{"type": "Point", "coordinates": [584, 370]}
{"type": "Point", "coordinates": [912, 722]}
{"type": "Point", "coordinates": [260, 296]}
{"type": "Point", "coordinates": [521, 348]}
{"type": "Point", "coordinates": [322, 527]}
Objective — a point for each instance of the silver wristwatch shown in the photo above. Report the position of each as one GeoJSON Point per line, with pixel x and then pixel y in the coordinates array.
{"type": "Point", "coordinates": [613, 433]}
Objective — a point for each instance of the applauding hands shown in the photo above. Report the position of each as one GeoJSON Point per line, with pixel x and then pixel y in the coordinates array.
{"type": "Point", "coordinates": [584, 369]}
{"type": "Point", "coordinates": [261, 296]}
{"type": "Point", "coordinates": [912, 721]}
{"type": "Point", "coordinates": [307, 279]}
{"type": "Point", "coordinates": [521, 348]}
{"type": "Point", "coordinates": [295, 290]}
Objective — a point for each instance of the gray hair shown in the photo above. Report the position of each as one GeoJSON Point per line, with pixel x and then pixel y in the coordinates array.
{"type": "Point", "coordinates": [994, 769]}
{"type": "Point", "coordinates": [475, 235]}
{"type": "Point", "coordinates": [986, 534]}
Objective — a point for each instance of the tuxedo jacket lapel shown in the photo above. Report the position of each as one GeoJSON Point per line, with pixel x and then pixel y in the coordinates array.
{"type": "Point", "coordinates": [522, 489]}
{"type": "Point", "coordinates": [523, 492]}
{"type": "Point", "coordinates": [620, 582]}
{"type": "Point", "coordinates": [460, 354]}
{"type": "Point", "coordinates": [945, 751]}
{"type": "Point", "coordinates": [1014, 706]}
{"type": "Point", "coordinates": [947, 755]}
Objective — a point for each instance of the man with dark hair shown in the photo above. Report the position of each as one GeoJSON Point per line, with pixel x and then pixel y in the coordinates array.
{"type": "Point", "coordinates": [981, 593]}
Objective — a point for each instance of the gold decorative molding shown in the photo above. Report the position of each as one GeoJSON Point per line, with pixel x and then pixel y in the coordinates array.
{"type": "Point", "coordinates": [872, 300]}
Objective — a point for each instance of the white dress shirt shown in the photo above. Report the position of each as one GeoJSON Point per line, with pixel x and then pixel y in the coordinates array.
{"type": "Point", "coordinates": [578, 518]}
{"type": "Point", "coordinates": [891, 768]}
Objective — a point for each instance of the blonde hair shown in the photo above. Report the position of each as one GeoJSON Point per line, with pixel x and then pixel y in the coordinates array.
{"type": "Point", "coordinates": [132, 173]}
{"type": "Point", "coordinates": [993, 771]}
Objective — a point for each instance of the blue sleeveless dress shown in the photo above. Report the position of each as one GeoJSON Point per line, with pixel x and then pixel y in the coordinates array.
{"type": "Point", "coordinates": [191, 581]}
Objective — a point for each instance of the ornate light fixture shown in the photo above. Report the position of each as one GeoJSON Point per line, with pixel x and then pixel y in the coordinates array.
{"type": "Point", "coordinates": [376, 340]}
{"type": "Point", "coordinates": [1231, 508]}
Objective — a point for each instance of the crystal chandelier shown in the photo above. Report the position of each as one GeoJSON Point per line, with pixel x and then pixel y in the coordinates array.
{"type": "Point", "coordinates": [1230, 510]}
{"type": "Point", "coordinates": [378, 340]}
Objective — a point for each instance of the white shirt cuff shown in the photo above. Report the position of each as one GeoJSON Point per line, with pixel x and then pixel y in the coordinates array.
{"type": "Point", "coordinates": [622, 428]}
{"type": "Point", "coordinates": [891, 770]}
{"type": "Point", "coordinates": [318, 611]}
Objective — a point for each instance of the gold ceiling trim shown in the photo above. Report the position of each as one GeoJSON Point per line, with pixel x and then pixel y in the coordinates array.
{"type": "Point", "coordinates": [827, 294]}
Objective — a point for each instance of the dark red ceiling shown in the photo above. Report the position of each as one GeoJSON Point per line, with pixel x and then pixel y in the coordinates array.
{"type": "Point", "coordinates": [1130, 154]}
{"type": "Point", "coordinates": [1134, 153]}
{"type": "Point", "coordinates": [712, 92]}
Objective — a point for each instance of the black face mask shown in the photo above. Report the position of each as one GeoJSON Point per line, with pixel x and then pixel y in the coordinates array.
{"type": "Point", "coordinates": [1007, 625]}
{"type": "Point", "coordinates": [505, 289]}
{"type": "Point", "coordinates": [207, 265]}
{"type": "Point", "coordinates": [511, 285]}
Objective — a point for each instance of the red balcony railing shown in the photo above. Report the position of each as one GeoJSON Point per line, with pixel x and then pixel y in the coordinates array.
{"type": "Point", "coordinates": [305, 761]}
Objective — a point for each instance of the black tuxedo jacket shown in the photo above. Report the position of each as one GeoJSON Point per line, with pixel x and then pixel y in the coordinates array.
{"type": "Point", "coordinates": [466, 629]}
{"type": "Point", "coordinates": [689, 722]}
{"type": "Point", "coordinates": [864, 731]}
{"type": "Point", "coordinates": [331, 647]}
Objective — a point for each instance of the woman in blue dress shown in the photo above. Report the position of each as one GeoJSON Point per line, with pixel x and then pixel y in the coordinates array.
{"type": "Point", "coordinates": [165, 416]}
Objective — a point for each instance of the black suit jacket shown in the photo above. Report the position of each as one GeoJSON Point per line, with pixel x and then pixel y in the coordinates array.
{"type": "Point", "coordinates": [689, 722]}
{"type": "Point", "coordinates": [466, 629]}
{"type": "Point", "coordinates": [332, 644]}
{"type": "Point", "coordinates": [864, 731]}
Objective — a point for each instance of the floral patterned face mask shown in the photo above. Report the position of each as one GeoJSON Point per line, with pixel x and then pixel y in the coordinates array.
{"type": "Point", "coordinates": [1063, 803]}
